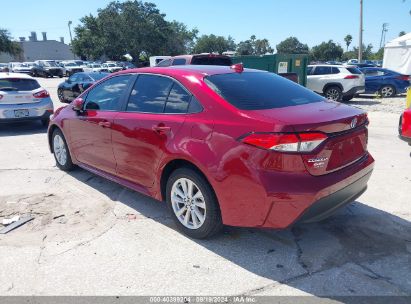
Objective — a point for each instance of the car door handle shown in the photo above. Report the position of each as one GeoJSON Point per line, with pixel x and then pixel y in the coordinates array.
{"type": "Point", "coordinates": [161, 129]}
{"type": "Point", "coordinates": [105, 124]}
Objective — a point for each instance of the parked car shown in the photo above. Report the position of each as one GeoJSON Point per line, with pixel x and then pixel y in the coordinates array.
{"type": "Point", "coordinates": [201, 59]}
{"type": "Point", "coordinates": [221, 145]}
{"type": "Point", "coordinates": [112, 67]}
{"type": "Point", "coordinates": [404, 128]}
{"type": "Point", "coordinates": [46, 68]}
{"type": "Point", "coordinates": [71, 67]}
{"type": "Point", "coordinates": [385, 82]}
{"type": "Point", "coordinates": [95, 67]}
{"type": "Point", "coordinates": [4, 67]}
{"type": "Point", "coordinates": [126, 65]}
{"type": "Point", "coordinates": [76, 84]}
{"type": "Point", "coordinates": [19, 67]}
{"type": "Point", "coordinates": [22, 98]}
{"type": "Point", "coordinates": [336, 82]}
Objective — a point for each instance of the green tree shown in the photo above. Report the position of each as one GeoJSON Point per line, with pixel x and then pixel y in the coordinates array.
{"type": "Point", "coordinates": [211, 44]}
{"type": "Point", "coordinates": [7, 45]}
{"type": "Point", "coordinates": [367, 53]}
{"type": "Point", "coordinates": [327, 51]}
{"type": "Point", "coordinates": [402, 33]}
{"type": "Point", "coordinates": [131, 27]}
{"type": "Point", "coordinates": [292, 45]}
{"type": "Point", "coordinates": [254, 46]}
{"type": "Point", "coordinates": [348, 40]}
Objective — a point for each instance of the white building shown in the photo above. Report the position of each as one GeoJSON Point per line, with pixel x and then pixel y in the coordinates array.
{"type": "Point", "coordinates": [34, 49]}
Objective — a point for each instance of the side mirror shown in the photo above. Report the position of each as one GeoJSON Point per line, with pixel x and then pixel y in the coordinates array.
{"type": "Point", "coordinates": [78, 104]}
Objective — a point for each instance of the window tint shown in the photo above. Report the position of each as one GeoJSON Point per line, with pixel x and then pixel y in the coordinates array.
{"type": "Point", "coordinates": [164, 63]}
{"type": "Point", "coordinates": [335, 70]}
{"type": "Point", "coordinates": [355, 71]}
{"type": "Point", "coordinates": [179, 61]}
{"type": "Point", "coordinates": [322, 70]}
{"type": "Point", "coordinates": [213, 60]}
{"type": "Point", "coordinates": [260, 90]}
{"type": "Point", "coordinates": [18, 84]}
{"type": "Point", "coordinates": [178, 100]}
{"type": "Point", "coordinates": [309, 70]}
{"type": "Point", "coordinates": [149, 94]}
{"type": "Point", "coordinates": [74, 78]}
{"type": "Point", "coordinates": [107, 95]}
{"type": "Point", "coordinates": [195, 106]}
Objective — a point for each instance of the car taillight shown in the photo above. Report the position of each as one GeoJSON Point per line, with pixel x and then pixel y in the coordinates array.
{"type": "Point", "coordinates": [41, 94]}
{"type": "Point", "coordinates": [403, 77]}
{"type": "Point", "coordinates": [285, 142]}
{"type": "Point", "coordinates": [351, 77]}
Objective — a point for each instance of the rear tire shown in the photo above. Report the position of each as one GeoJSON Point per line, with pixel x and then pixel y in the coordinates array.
{"type": "Point", "coordinates": [387, 91]}
{"type": "Point", "coordinates": [61, 151]}
{"type": "Point", "coordinates": [60, 95]}
{"type": "Point", "coordinates": [193, 204]}
{"type": "Point", "coordinates": [333, 93]}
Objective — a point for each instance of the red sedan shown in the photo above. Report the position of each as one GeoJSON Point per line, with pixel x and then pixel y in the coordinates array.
{"type": "Point", "coordinates": [221, 145]}
{"type": "Point", "coordinates": [405, 126]}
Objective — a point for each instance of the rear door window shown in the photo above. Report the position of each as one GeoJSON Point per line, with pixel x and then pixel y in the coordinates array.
{"type": "Point", "coordinates": [18, 84]}
{"type": "Point", "coordinates": [335, 70]}
{"type": "Point", "coordinates": [149, 94]}
{"type": "Point", "coordinates": [179, 61]}
{"type": "Point", "coordinates": [178, 100]}
{"type": "Point", "coordinates": [164, 63]}
{"type": "Point", "coordinates": [260, 90]}
{"type": "Point", "coordinates": [322, 70]}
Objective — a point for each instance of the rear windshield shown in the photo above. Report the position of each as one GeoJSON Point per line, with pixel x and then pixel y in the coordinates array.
{"type": "Point", "coordinates": [260, 90]}
{"type": "Point", "coordinates": [355, 71]}
{"type": "Point", "coordinates": [17, 84]}
{"type": "Point", "coordinates": [205, 60]}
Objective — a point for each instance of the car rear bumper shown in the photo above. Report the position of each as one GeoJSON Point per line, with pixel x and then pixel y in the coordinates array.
{"type": "Point", "coordinates": [355, 90]}
{"type": "Point", "coordinates": [272, 199]}
{"type": "Point", "coordinates": [37, 110]}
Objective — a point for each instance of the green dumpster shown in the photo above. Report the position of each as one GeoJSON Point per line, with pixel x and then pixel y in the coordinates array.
{"type": "Point", "coordinates": [278, 63]}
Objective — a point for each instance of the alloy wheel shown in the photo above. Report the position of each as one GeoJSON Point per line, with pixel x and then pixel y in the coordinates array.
{"type": "Point", "coordinates": [387, 91]}
{"type": "Point", "coordinates": [60, 150]}
{"type": "Point", "coordinates": [188, 203]}
{"type": "Point", "coordinates": [333, 94]}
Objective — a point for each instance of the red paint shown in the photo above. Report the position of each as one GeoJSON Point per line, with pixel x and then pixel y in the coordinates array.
{"type": "Point", "coordinates": [255, 187]}
{"type": "Point", "coordinates": [405, 127]}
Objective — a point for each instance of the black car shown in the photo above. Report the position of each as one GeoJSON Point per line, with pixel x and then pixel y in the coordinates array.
{"type": "Point", "coordinates": [46, 68]}
{"type": "Point", "coordinates": [76, 84]}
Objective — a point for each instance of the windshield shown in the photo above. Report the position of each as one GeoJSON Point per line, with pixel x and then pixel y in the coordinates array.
{"type": "Point", "coordinates": [111, 64]}
{"type": "Point", "coordinates": [98, 76]}
{"type": "Point", "coordinates": [260, 90]}
{"type": "Point", "coordinates": [70, 64]}
{"type": "Point", "coordinates": [18, 84]}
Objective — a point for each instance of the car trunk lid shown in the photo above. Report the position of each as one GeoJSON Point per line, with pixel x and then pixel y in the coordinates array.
{"type": "Point", "coordinates": [345, 127]}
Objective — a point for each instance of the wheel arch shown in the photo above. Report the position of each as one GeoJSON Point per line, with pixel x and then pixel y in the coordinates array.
{"type": "Point", "coordinates": [333, 84]}
{"type": "Point", "coordinates": [173, 165]}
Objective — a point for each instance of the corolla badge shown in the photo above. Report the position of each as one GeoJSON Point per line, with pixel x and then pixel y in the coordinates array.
{"type": "Point", "coordinates": [354, 123]}
{"type": "Point", "coordinates": [318, 162]}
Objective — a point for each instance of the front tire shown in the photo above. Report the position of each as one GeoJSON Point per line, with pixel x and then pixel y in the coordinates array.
{"type": "Point", "coordinates": [193, 204]}
{"type": "Point", "coordinates": [333, 93]}
{"type": "Point", "coordinates": [61, 151]}
{"type": "Point", "coordinates": [60, 95]}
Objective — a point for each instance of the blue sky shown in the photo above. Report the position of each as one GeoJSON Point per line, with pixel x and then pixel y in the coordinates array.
{"type": "Point", "coordinates": [311, 21]}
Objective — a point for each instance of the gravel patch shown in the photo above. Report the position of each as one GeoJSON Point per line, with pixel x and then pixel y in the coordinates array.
{"type": "Point", "coordinates": [372, 103]}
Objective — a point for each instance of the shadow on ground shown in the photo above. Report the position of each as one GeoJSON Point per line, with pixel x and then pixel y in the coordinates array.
{"type": "Point", "coordinates": [21, 128]}
{"type": "Point", "coordinates": [359, 251]}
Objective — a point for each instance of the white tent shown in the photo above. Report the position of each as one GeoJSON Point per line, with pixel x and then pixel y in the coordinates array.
{"type": "Point", "coordinates": [397, 55]}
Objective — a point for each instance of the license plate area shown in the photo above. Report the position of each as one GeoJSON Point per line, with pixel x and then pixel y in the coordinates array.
{"type": "Point", "coordinates": [21, 113]}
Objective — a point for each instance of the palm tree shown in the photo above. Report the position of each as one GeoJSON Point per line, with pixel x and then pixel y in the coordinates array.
{"type": "Point", "coordinates": [348, 40]}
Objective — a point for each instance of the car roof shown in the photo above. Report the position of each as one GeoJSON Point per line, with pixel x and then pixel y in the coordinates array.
{"type": "Point", "coordinates": [334, 65]}
{"type": "Point", "coordinates": [198, 70]}
{"type": "Point", "coordinates": [15, 75]}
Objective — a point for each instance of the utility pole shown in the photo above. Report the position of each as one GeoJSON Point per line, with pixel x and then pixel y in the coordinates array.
{"type": "Point", "coordinates": [383, 34]}
{"type": "Point", "coordinates": [361, 32]}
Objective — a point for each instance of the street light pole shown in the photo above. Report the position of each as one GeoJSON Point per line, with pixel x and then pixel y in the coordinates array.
{"type": "Point", "coordinates": [71, 39]}
{"type": "Point", "coordinates": [361, 32]}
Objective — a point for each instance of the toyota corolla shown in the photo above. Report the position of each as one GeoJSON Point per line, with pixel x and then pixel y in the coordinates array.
{"type": "Point", "coordinates": [220, 145]}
